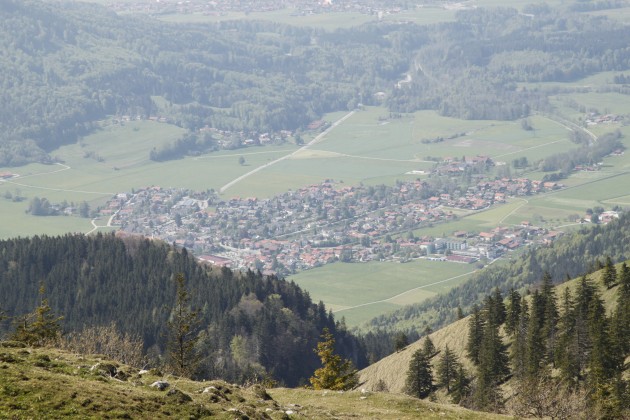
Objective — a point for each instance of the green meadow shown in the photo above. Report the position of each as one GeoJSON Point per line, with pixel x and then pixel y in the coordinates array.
{"type": "Point", "coordinates": [360, 291]}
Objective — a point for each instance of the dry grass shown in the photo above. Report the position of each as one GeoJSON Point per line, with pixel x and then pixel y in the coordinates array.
{"type": "Point", "coordinates": [51, 383]}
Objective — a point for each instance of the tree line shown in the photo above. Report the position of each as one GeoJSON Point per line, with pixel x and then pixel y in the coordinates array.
{"type": "Point", "coordinates": [67, 66]}
{"type": "Point", "coordinates": [568, 257]}
{"type": "Point", "coordinates": [250, 326]}
{"type": "Point", "coordinates": [563, 355]}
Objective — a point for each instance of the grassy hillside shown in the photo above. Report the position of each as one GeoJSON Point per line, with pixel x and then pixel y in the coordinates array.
{"type": "Point", "coordinates": [392, 370]}
{"type": "Point", "coordinates": [49, 383]}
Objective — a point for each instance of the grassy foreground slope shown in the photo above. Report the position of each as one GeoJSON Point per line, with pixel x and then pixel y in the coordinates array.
{"type": "Point", "coordinates": [392, 370]}
{"type": "Point", "coordinates": [49, 383]}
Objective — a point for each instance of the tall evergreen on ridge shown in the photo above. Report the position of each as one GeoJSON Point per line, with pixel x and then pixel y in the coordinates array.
{"type": "Point", "coordinates": [447, 369]}
{"type": "Point", "coordinates": [518, 354]}
{"type": "Point", "coordinates": [475, 334]}
{"type": "Point", "coordinates": [419, 381]}
{"type": "Point", "coordinates": [549, 331]}
{"type": "Point", "coordinates": [492, 369]}
{"type": "Point", "coordinates": [513, 312]}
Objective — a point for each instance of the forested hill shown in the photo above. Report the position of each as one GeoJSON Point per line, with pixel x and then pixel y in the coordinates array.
{"type": "Point", "coordinates": [577, 253]}
{"type": "Point", "coordinates": [251, 325]}
{"type": "Point", "coordinates": [65, 66]}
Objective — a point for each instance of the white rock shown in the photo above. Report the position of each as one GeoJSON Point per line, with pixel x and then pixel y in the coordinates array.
{"type": "Point", "coordinates": [289, 412]}
{"type": "Point", "coordinates": [161, 385]}
{"type": "Point", "coordinates": [143, 371]}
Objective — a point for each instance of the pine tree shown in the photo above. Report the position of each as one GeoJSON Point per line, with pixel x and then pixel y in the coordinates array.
{"type": "Point", "coordinates": [534, 345]}
{"type": "Point", "coordinates": [475, 334]}
{"type": "Point", "coordinates": [41, 326]}
{"type": "Point", "coordinates": [498, 312]}
{"type": "Point", "coordinates": [518, 353]}
{"type": "Point", "coordinates": [491, 371]}
{"type": "Point", "coordinates": [428, 347]}
{"type": "Point", "coordinates": [567, 350]}
{"type": "Point", "coordinates": [335, 374]}
{"type": "Point", "coordinates": [609, 276]}
{"type": "Point", "coordinates": [447, 369]}
{"type": "Point", "coordinates": [621, 319]}
{"type": "Point", "coordinates": [461, 386]}
{"type": "Point", "coordinates": [513, 312]}
{"type": "Point", "coordinates": [419, 382]}
{"type": "Point", "coordinates": [182, 327]}
{"type": "Point", "coordinates": [549, 331]}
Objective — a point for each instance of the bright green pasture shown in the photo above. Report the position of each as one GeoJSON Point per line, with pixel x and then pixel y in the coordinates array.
{"type": "Point", "coordinates": [368, 133]}
{"type": "Point", "coordinates": [343, 286]}
{"type": "Point", "coordinates": [311, 167]}
{"type": "Point", "coordinates": [15, 222]}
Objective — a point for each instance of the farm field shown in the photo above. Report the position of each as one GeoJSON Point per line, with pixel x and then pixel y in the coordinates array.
{"type": "Point", "coordinates": [361, 291]}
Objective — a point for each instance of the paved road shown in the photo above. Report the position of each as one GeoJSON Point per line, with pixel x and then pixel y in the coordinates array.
{"type": "Point", "coordinates": [290, 155]}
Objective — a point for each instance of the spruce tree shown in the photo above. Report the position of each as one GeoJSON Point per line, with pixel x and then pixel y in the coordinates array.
{"type": "Point", "coordinates": [419, 382]}
{"type": "Point", "coordinates": [336, 373]}
{"type": "Point", "coordinates": [549, 330]}
{"type": "Point", "coordinates": [475, 334]}
{"type": "Point", "coordinates": [609, 276]}
{"type": "Point", "coordinates": [621, 318]}
{"type": "Point", "coordinates": [534, 347]}
{"type": "Point", "coordinates": [513, 312]}
{"type": "Point", "coordinates": [447, 369]}
{"type": "Point", "coordinates": [428, 347]}
{"type": "Point", "coordinates": [461, 386]}
{"type": "Point", "coordinates": [40, 327]}
{"type": "Point", "coordinates": [566, 357]}
{"type": "Point", "coordinates": [491, 371]}
{"type": "Point", "coordinates": [182, 327]}
{"type": "Point", "coordinates": [518, 352]}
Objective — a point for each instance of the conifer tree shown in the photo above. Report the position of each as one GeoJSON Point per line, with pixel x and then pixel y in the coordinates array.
{"type": "Point", "coordinates": [498, 312]}
{"type": "Point", "coordinates": [513, 312]}
{"type": "Point", "coordinates": [475, 334]}
{"type": "Point", "coordinates": [428, 347]}
{"type": "Point", "coordinates": [621, 318]}
{"type": "Point", "coordinates": [609, 276]}
{"type": "Point", "coordinates": [400, 341]}
{"type": "Point", "coordinates": [519, 344]}
{"type": "Point", "coordinates": [419, 382]}
{"type": "Point", "coordinates": [336, 373]}
{"type": "Point", "coordinates": [41, 326]}
{"type": "Point", "coordinates": [567, 347]}
{"type": "Point", "coordinates": [182, 327]}
{"type": "Point", "coordinates": [447, 369]}
{"type": "Point", "coordinates": [534, 347]}
{"type": "Point", "coordinates": [491, 370]}
{"type": "Point", "coordinates": [549, 330]}
{"type": "Point", "coordinates": [461, 386]}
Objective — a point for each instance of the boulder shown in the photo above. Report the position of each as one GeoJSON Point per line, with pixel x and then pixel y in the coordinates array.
{"type": "Point", "coordinates": [160, 385]}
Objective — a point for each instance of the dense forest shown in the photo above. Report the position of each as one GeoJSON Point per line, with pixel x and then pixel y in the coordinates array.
{"type": "Point", "coordinates": [573, 255]}
{"type": "Point", "coordinates": [251, 326]}
{"type": "Point", "coordinates": [65, 66]}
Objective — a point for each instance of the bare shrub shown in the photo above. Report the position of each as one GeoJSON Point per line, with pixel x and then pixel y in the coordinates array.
{"type": "Point", "coordinates": [108, 341]}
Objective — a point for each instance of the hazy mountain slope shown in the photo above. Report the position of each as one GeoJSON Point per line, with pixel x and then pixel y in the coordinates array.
{"type": "Point", "coordinates": [392, 370]}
